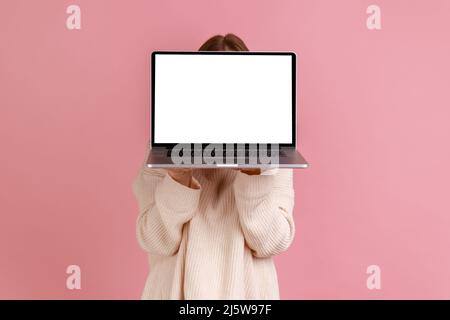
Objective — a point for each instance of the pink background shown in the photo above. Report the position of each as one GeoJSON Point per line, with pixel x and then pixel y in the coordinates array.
{"type": "Point", "coordinates": [374, 111]}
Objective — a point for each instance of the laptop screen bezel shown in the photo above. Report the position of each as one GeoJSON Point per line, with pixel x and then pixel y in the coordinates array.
{"type": "Point", "coordinates": [272, 53]}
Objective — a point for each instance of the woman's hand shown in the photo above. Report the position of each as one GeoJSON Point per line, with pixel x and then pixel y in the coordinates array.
{"type": "Point", "coordinates": [183, 176]}
{"type": "Point", "coordinates": [251, 171]}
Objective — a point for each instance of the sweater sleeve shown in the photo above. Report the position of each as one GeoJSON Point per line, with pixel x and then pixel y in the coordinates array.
{"type": "Point", "coordinates": [164, 207]}
{"type": "Point", "coordinates": [265, 204]}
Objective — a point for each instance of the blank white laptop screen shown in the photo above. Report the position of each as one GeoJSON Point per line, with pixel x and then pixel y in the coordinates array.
{"type": "Point", "coordinates": [220, 98]}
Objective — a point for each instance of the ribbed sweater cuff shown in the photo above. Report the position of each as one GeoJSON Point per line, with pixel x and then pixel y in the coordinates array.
{"type": "Point", "coordinates": [252, 186]}
{"type": "Point", "coordinates": [176, 197]}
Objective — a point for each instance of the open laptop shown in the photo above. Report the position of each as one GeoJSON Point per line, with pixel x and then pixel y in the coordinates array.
{"type": "Point", "coordinates": [215, 109]}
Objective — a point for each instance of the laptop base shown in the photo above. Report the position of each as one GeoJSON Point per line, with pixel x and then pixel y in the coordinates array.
{"type": "Point", "coordinates": [289, 158]}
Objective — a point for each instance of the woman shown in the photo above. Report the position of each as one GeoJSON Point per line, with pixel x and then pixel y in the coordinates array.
{"type": "Point", "coordinates": [212, 233]}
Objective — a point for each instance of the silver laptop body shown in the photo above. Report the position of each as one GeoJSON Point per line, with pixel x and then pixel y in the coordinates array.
{"type": "Point", "coordinates": [215, 109]}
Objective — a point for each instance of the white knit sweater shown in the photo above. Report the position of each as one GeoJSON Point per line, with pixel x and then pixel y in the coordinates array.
{"type": "Point", "coordinates": [215, 242]}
